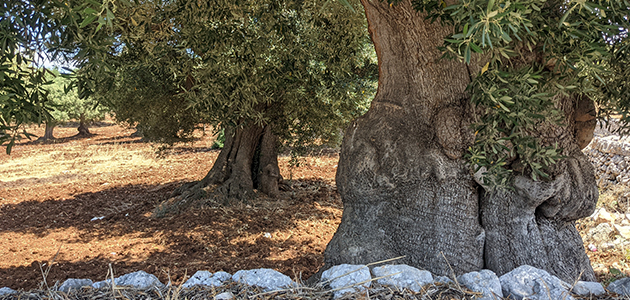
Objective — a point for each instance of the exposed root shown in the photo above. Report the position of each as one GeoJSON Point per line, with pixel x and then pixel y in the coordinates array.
{"type": "Point", "coordinates": [197, 194]}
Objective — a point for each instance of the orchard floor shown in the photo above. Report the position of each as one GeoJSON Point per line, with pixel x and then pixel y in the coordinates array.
{"type": "Point", "coordinates": [73, 207]}
{"type": "Point", "coordinates": [79, 205]}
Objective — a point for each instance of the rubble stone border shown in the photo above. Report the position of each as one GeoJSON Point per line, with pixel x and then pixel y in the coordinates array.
{"type": "Point", "coordinates": [524, 282]}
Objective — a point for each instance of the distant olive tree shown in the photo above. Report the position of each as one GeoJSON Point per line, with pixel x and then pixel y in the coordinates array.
{"type": "Point", "coordinates": [67, 105]}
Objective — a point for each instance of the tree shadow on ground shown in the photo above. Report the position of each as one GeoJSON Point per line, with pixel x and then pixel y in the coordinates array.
{"type": "Point", "coordinates": [115, 226]}
{"type": "Point", "coordinates": [181, 150]}
{"type": "Point", "coordinates": [120, 141]}
{"type": "Point", "coordinates": [76, 137]}
{"type": "Point", "coordinates": [63, 140]}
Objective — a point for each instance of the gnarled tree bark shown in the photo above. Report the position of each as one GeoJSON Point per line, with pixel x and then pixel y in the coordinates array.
{"type": "Point", "coordinates": [48, 131]}
{"type": "Point", "coordinates": [83, 128]}
{"type": "Point", "coordinates": [535, 223]}
{"type": "Point", "coordinates": [247, 161]}
{"type": "Point", "coordinates": [407, 190]}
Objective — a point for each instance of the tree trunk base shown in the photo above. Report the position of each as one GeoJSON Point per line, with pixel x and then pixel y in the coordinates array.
{"type": "Point", "coordinates": [48, 133]}
{"type": "Point", "coordinates": [535, 224]}
{"type": "Point", "coordinates": [248, 162]}
{"type": "Point", "coordinates": [83, 130]}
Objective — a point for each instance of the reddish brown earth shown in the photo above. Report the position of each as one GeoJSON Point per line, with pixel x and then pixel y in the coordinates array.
{"type": "Point", "coordinates": [50, 192]}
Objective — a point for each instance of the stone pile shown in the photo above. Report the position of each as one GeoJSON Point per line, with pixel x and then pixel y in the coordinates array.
{"type": "Point", "coordinates": [612, 230]}
{"type": "Point", "coordinates": [610, 157]}
{"type": "Point", "coordinates": [524, 282]}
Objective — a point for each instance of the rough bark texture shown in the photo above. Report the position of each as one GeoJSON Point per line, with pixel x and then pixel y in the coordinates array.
{"type": "Point", "coordinates": [585, 121]}
{"type": "Point", "coordinates": [267, 176]}
{"type": "Point", "coordinates": [407, 190]}
{"type": "Point", "coordinates": [232, 171]}
{"type": "Point", "coordinates": [48, 132]}
{"type": "Point", "coordinates": [247, 161]}
{"type": "Point", "coordinates": [83, 129]}
{"type": "Point", "coordinates": [405, 187]}
{"type": "Point", "coordinates": [535, 223]}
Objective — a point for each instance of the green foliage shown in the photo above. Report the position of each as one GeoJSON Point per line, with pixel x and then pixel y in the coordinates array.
{"type": "Point", "coordinates": [169, 66]}
{"type": "Point", "coordinates": [514, 104]}
{"type": "Point", "coordinates": [533, 53]}
{"type": "Point", "coordinates": [22, 100]}
{"type": "Point", "coordinates": [67, 104]}
{"type": "Point", "coordinates": [148, 96]}
{"type": "Point", "coordinates": [307, 68]}
{"type": "Point", "coordinates": [219, 142]}
{"type": "Point", "coordinates": [22, 97]}
{"type": "Point", "coordinates": [612, 92]}
{"type": "Point", "coordinates": [31, 33]}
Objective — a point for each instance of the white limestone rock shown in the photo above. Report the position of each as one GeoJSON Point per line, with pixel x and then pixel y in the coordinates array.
{"type": "Point", "coordinates": [588, 288]}
{"type": "Point", "coordinates": [624, 231]}
{"type": "Point", "coordinates": [6, 290]}
{"type": "Point", "coordinates": [403, 276]}
{"type": "Point", "coordinates": [621, 286]}
{"type": "Point", "coordinates": [347, 278]}
{"type": "Point", "coordinates": [140, 280]}
{"type": "Point", "coordinates": [74, 284]}
{"type": "Point", "coordinates": [442, 279]}
{"type": "Point", "coordinates": [222, 276]}
{"type": "Point", "coordinates": [224, 296]}
{"type": "Point", "coordinates": [206, 278]}
{"type": "Point", "coordinates": [527, 282]}
{"type": "Point", "coordinates": [485, 282]}
{"type": "Point", "coordinates": [601, 233]}
{"type": "Point", "coordinates": [268, 279]}
{"type": "Point", "coordinates": [602, 216]}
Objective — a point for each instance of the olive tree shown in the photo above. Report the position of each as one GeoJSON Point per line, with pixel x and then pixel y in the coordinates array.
{"type": "Point", "coordinates": [470, 153]}
{"type": "Point", "coordinates": [33, 33]}
{"type": "Point", "coordinates": [22, 96]}
{"type": "Point", "coordinates": [66, 105]}
{"type": "Point", "coordinates": [266, 72]}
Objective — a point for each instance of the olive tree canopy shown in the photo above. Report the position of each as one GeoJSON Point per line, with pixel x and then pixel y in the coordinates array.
{"type": "Point", "coordinates": [267, 72]}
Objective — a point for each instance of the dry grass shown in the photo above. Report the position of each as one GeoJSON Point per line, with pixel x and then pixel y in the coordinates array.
{"type": "Point", "coordinates": [107, 160]}
{"type": "Point", "coordinates": [80, 160]}
{"type": "Point", "coordinates": [240, 291]}
{"type": "Point", "coordinates": [237, 290]}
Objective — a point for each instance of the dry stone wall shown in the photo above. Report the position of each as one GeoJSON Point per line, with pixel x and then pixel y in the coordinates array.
{"type": "Point", "coordinates": [610, 155]}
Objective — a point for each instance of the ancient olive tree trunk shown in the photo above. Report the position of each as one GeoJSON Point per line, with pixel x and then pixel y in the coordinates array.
{"type": "Point", "coordinates": [405, 187]}
{"type": "Point", "coordinates": [48, 132]}
{"type": "Point", "coordinates": [407, 190]}
{"type": "Point", "coordinates": [247, 161]}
